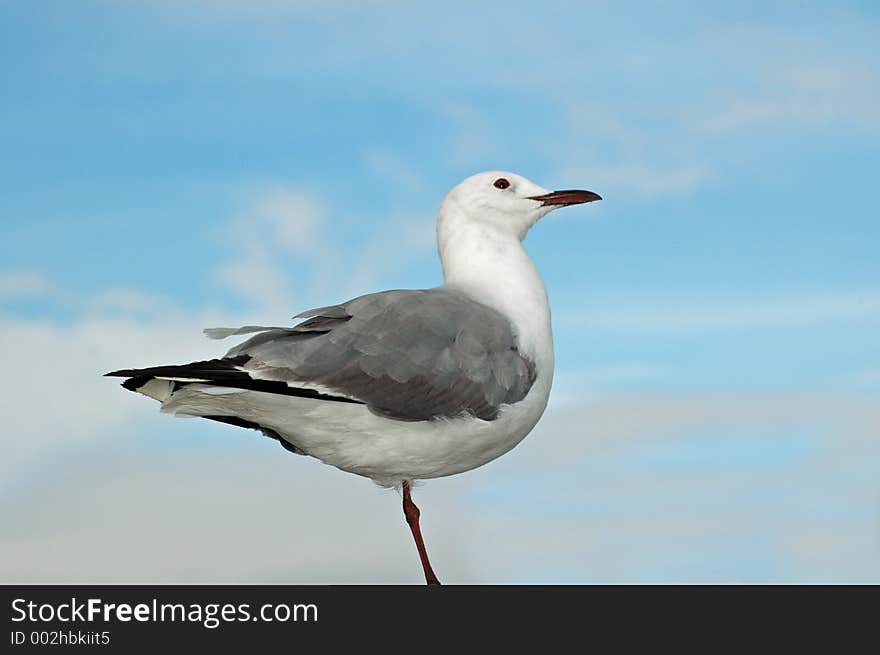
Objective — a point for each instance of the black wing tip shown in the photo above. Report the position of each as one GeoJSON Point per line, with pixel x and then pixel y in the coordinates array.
{"type": "Point", "coordinates": [222, 364]}
{"type": "Point", "coordinates": [122, 373]}
{"type": "Point", "coordinates": [135, 383]}
{"type": "Point", "coordinates": [221, 373]}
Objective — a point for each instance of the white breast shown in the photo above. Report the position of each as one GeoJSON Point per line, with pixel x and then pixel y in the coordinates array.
{"type": "Point", "coordinates": [493, 268]}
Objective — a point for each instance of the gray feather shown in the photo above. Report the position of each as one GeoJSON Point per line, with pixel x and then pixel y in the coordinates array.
{"type": "Point", "coordinates": [331, 311]}
{"type": "Point", "coordinates": [409, 355]}
{"type": "Point", "coordinates": [222, 333]}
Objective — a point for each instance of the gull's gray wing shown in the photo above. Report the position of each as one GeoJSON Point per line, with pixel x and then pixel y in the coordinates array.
{"type": "Point", "coordinates": [408, 355]}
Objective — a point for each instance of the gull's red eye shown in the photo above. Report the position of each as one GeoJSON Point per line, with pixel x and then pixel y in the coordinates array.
{"type": "Point", "coordinates": [501, 183]}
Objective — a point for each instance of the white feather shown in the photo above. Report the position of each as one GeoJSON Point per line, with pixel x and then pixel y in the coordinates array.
{"type": "Point", "coordinates": [178, 379]}
{"type": "Point", "coordinates": [156, 389]}
{"type": "Point", "coordinates": [354, 439]}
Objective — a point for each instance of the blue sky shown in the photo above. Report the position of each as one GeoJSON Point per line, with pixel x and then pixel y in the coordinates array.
{"type": "Point", "coordinates": [715, 414]}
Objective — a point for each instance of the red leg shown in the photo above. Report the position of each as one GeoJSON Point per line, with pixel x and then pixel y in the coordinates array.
{"type": "Point", "coordinates": [411, 512]}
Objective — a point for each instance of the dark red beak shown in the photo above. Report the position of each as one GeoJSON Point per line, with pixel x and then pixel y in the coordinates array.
{"type": "Point", "coordinates": [567, 197]}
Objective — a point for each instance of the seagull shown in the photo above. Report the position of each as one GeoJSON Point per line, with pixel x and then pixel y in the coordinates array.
{"type": "Point", "coordinates": [403, 385]}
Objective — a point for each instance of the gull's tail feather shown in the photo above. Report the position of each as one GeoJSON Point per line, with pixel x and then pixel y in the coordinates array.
{"type": "Point", "coordinates": [203, 389]}
{"type": "Point", "coordinates": [224, 375]}
{"type": "Point", "coordinates": [211, 370]}
{"type": "Point", "coordinates": [160, 382]}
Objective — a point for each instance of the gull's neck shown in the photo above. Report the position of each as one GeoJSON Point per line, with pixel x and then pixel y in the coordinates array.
{"type": "Point", "coordinates": [493, 268]}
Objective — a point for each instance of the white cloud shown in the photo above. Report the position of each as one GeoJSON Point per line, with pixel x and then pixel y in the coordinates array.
{"type": "Point", "coordinates": [254, 513]}
{"type": "Point", "coordinates": [756, 78]}
{"type": "Point", "coordinates": [571, 388]}
{"type": "Point", "coordinates": [23, 284]}
{"type": "Point", "coordinates": [632, 175]}
{"type": "Point", "coordinates": [393, 245]}
{"type": "Point", "coordinates": [868, 377]}
{"type": "Point", "coordinates": [787, 80]}
{"type": "Point", "coordinates": [606, 420]}
{"type": "Point", "coordinates": [393, 171]}
{"type": "Point", "coordinates": [623, 155]}
{"type": "Point", "coordinates": [256, 277]}
{"type": "Point", "coordinates": [290, 234]}
{"type": "Point", "coordinates": [805, 97]}
{"type": "Point", "coordinates": [55, 396]}
{"type": "Point", "coordinates": [129, 301]}
{"type": "Point", "coordinates": [280, 224]}
{"type": "Point", "coordinates": [294, 219]}
{"type": "Point", "coordinates": [677, 316]}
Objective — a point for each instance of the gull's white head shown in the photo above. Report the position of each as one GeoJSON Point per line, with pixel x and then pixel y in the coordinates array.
{"type": "Point", "coordinates": [505, 202]}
